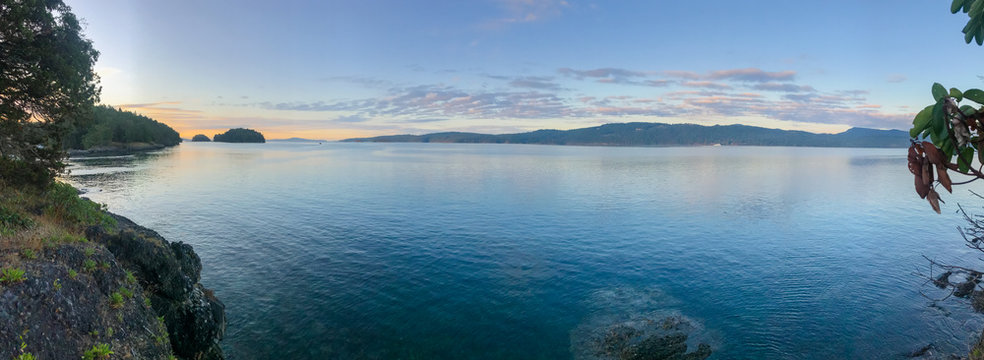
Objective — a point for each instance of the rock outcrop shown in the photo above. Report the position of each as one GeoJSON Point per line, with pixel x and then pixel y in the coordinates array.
{"type": "Point", "coordinates": [64, 306]}
{"type": "Point", "coordinates": [169, 272]}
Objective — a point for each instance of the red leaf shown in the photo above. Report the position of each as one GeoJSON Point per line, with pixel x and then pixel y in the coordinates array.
{"type": "Point", "coordinates": [934, 200]}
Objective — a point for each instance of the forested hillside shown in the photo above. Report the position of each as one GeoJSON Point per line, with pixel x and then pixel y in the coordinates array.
{"type": "Point", "coordinates": [113, 127]}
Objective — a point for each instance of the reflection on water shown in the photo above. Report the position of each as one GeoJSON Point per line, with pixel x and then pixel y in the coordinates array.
{"type": "Point", "coordinates": [507, 251]}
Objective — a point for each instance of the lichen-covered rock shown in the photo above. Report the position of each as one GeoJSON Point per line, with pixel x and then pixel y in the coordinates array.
{"type": "Point", "coordinates": [62, 308]}
{"type": "Point", "coordinates": [170, 273]}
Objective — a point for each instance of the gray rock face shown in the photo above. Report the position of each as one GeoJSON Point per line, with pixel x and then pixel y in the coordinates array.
{"type": "Point", "coordinates": [195, 318]}
{"type": "Point", "coordinates": [62, 309]}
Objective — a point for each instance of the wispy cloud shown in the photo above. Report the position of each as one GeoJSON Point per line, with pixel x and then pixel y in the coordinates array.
{"type": "Point", "coordinates": [783, 87]}
{"type": "Point", "coordinates": [752, 75]}
{"type": "Point", "coordinates": [351, 119]}
{"type": "Point", "coordinates": [166, 110]}
{"type": "Point", "coordinates": [535, 82]}
{"type": "Point", "coordinates": [706, 85]}
{"type": "Point", "coordinates": [896, 78]}
{"type": "Point", "coordinates": [742, 75]}
{"type": "Point", "coordinates": [525, 11]}
{"type": "Point", "coordinates": [429, 103]}
{"type": "Point", "coordinates": [366, 81]}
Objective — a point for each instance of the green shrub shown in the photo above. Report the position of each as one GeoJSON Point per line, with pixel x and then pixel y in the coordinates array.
{"type": "Point", "coordinates": [88, 265]}
{"type": "Point", "coordinates": [147, 302]}
{"type": "Point", "coordinates": [29, 254]}
{"type": "Point", "coordinates": [130, 279]}
{"type": "Point", "coordinates": [25, 356]}
{"type": "Point", "coordinates": [72, 273]}
{"type": "Point", "coordinates": [98, 352]}
{"type": "Point", "coordinates": [11, 221]}
{"type": "Point", "coordinates": [64, 202]}
{"type": "Point", "coordinates": [116, 300]}
{"type": "Point", "coordinates": [127, 293]}
{"type": "Point", "coordinates": [11, 275]}
{"type": "Point", "coordinates": [89, 251]}
{"type": "Point", "coordinates": [57, 284]}
{"type": "Point", "coordinates": [104, 264]}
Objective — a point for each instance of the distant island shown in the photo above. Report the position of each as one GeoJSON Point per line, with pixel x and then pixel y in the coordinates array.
{"type": "Point", "coordinates": [114, 130]}
{"type": "Point", "coordinates": [659, 134]}
{"type": "Point", "coordinates": [240, 135]}
{"type": "Point", "coordinates": [297, 139]}
{"type": "Point", "coordinates": [200, 138]}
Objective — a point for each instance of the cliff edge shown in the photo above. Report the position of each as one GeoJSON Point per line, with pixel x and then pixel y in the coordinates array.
{"type": "Point", "coordinates": [79, 282]}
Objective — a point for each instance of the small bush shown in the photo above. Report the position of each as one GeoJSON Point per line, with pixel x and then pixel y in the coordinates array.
{"type": "Point", "coordinates": [127, 293]}
{"type": "Point", "coordinates": [11, 275]}
{"type": "Point", "coordinates": [57, 284]}
{"type": "Point", "coordinates": [23, 346]}
{"type": "Point", "coordinates": [130, 279]}
{"type": "Point", "coordinates": [98, 352]}
{"type": "Point", "coordinates": [147, 302]}
{"type": "Point", "coordinates": [11, 221]}
{"type": "Point", "coordinates": [64, 201]}
{"type": "Point", "coordinates": [88, 265]}
{"type": "Point", "coordinates": [29, 254]}
{"type": "Point", "coordinates": [89, 251]}
{"type": "Point", "coordinates": [116, 300]}
{"type": "Point", "coordinates": [104, 264]}
{"type": "Point", "coordinates": [72, 273]}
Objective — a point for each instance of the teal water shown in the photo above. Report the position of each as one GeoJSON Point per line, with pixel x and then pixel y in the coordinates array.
{"type": "Point", "coordinates": [466, 251]}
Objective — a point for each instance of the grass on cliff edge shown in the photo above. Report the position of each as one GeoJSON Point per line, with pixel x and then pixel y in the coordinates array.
{"type": "Point", "coordinates": [31, 218]}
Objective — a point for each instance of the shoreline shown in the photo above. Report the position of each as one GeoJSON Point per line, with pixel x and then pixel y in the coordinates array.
{"type": "Point", "coordinates": [116, 149]}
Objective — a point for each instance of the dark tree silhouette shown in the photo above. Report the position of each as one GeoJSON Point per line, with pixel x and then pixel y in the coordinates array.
{"type": "Point", "coordinates": [46, 84]}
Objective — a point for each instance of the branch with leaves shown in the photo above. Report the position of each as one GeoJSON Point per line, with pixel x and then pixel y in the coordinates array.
{"type": "Point", "coordinates": [953, 130]}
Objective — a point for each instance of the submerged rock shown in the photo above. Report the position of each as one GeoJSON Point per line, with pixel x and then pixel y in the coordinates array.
{"type": "Point", "coordinates": [629, 324]}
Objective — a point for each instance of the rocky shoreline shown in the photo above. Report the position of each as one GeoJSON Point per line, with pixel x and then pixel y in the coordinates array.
{"type": "Point", "coordinates": [117, 149]}
{"type": "Point", "coordinates": [127, 288]}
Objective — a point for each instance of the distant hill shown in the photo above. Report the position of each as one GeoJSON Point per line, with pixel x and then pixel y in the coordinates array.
{"type": "Point", "coordinates": [201, 138]}
{"type": "Point", "coordinates": [297, 139]}
{"type": "Point", "coordinates": [240, 135]}
{"type": "Point", "coordinates": [658, 134]}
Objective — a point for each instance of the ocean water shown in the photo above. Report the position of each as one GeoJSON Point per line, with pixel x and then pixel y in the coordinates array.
{"type": "Point", "coordinates": [474, 251]}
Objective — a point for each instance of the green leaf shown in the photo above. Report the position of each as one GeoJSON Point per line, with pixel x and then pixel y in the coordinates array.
{"type": "Point", "coordinates": [955, 6]}
{"type": "Point", "coordinates": [975, 95]}
{"type": "Point", "coordinates": [939, 91]}
{"type": "Point", "coordinates": [948, 149]}
{"type": "Point", "coordinates": [921, 122]}
{"type": "Point", "coordinates": [938, 122]}
{"type": "Point", "coordinates": [955, 93]}
{"type": "Point", "coordinates": [968, 110]}
{"type": "Point", "coordinates": [976, 8]}
{"type": "Point", "coordinates": [966, 158]}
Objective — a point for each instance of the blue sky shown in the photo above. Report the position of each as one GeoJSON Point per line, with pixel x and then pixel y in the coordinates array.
{"type": "Point", "coordinates": [338, 69]}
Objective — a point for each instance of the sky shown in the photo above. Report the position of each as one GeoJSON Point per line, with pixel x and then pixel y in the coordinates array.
{"type": "Point", "coordinates": [340, 69]}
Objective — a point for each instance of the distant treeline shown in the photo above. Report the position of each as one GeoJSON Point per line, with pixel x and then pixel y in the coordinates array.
{"type": "Point", "coordinates": [657, 134]}
{"type": "Point", "coordinates": [110, 126]}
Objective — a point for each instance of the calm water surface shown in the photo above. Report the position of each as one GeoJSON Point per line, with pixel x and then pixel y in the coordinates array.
{"type": "Point", "coordinates": [425, 251]}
